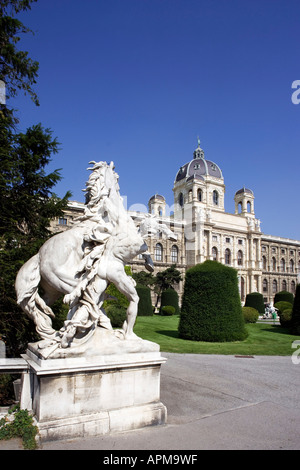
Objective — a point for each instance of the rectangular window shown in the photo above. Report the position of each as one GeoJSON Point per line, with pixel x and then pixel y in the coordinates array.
{"type": "Point", "coordinates": [62, 221]}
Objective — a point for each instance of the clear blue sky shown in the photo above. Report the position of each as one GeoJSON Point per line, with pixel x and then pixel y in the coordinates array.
{"type": "Point", "coordinates": [137, 81]}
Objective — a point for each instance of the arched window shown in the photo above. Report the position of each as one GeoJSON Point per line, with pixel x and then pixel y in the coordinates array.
{"type": "Point", "coordinates": [291, 266]}
{"type": "Point", "coordinates": [283, 285]}
{"type": "Point", "coordinates": [264, 263]}
{"type": "Point", "coordinates": [274, 285]}
{"type": "Point", "coordinates": [180, 199]}
{"type": "Point", "coordinates": [273, 264]}
{"type": "Point", "coordinates": [240, 207]}
{"type": "Point", "coordinates": [282, 265]}
{"type": "Point", "coordinates": [214, 252]}
{"type": "Point", "coordinates": [265, 285]}
{"type": "Point", "coordinates": [242, 289]}
{"type": "Point", "coordinates": [293, 287]}
{"type": "Point", "coordinates": [227, 256]}
{"type": "Point", "coordinates": [240, 258]}
{"type": "Point", "coordinates": [248, 206]}
{"type": "Point", "coordinates": [158, 252]}
{"type": "Point", "coordinates": [174, 254]}
{"type": "Point", "coordinates": [216, 198]}
{"type": "Point", "coordinates": [199, 195]}
{"type": "Point", "coordinates": [160, 211]}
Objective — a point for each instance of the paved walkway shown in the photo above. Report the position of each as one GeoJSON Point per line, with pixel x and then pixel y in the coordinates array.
{"type": "Point", "coordinates": [214, 402]}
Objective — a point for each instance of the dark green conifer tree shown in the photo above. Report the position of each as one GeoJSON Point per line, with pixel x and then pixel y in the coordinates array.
{"type": "Point", "coordinates": [295, 322]}
{"type": "Point", "coordinates": [26, 190]}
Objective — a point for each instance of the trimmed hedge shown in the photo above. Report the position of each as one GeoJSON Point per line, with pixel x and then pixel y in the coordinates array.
{"type": "Point", "coordinates": [211, 307]}
{"type": "Point", "coordinates": [167, 310]}
{"type": "Point", "coordinates": [145, 303]}
{"type": "Point", "coordinates": [284, 317]}
{"type": "Point", "coordinates": [250, 314]}
{"type": "Point", "coordinates": [295, 321]}
{"type": "Point", "coordinates": [284, 296]}
{"type": "Point", "coordinates": [255, 300]}
{"type": "Point", "coordinates": [281, 306]}
{"type": "Point", "coordinates": [169, 297]}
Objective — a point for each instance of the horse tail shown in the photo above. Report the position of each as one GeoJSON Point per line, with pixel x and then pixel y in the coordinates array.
{"type": "Point", "coordinates": [26, 286]}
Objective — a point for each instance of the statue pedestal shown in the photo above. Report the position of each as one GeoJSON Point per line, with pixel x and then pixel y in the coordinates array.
{"type": "Point", "coordinates": [97, 394]}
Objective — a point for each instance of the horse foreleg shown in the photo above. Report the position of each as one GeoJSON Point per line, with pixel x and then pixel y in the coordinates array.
{"type": "Point", "coordinates": [126, 285]}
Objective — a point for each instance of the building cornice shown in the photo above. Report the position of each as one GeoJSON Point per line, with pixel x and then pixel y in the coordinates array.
{"type": "Point", "coordinates": [274, 239]}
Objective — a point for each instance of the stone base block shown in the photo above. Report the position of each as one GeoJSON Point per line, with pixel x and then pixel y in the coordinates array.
{"type": "Point", "coordinates": [99, 424]}
{"type": "Point", "coordinates": [94, 395]}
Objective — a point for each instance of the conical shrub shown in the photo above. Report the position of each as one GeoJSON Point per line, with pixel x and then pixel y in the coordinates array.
{"type": "Point", "coordinates": [211, 308]}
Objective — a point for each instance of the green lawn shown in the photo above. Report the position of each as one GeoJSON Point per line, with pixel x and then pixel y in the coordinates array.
{"type": "Point", "coordinates": [263, 339]}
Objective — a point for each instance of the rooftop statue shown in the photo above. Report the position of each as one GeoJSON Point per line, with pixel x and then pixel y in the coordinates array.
{"type": "Point", "coordinates": [81, 262]}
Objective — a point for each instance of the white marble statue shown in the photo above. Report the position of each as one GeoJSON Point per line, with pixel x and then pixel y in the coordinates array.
{"type": "Point", "coordinates": [82, 261]}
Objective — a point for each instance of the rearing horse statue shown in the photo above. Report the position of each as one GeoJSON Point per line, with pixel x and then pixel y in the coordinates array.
{"type": "Point", "coordinates": [81, 262]}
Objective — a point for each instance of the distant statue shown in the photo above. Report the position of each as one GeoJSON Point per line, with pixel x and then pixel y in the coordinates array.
{"type": "Point", "coordinates": [81, 262]}
{"type": "Point", "coordinates": [250, 223]}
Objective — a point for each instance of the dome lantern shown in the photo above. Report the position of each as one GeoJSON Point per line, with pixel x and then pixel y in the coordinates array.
{"type": "Point", "coordinates": [199, 167]}
{"type": "Point", "coordinates": [244, 202]}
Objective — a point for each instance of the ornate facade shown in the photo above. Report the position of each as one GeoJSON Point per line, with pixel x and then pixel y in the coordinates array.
{"type": "Point", "coordinates": [265, 263]}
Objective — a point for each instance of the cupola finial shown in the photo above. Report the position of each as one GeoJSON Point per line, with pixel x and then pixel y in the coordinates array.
{"type": "Point", "coordinates": [198, 153]}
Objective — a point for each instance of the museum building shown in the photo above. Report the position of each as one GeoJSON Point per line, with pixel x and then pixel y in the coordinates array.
{"type": "Point", "coordinates": [264, 263]}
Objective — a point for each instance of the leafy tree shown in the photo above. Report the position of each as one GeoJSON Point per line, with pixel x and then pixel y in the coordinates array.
{"type": "Point", "coordinates": [144, 278]}
{"type": "Point", "coordinates": [166, 280]}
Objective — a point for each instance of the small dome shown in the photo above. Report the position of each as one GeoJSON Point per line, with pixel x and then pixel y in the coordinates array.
{"type": "Point", "coordinates": [157, 196]}
{"type": "Point", "coordinates": [198, 167]}
{"type": "Point", "coordinates": [244, 190]}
